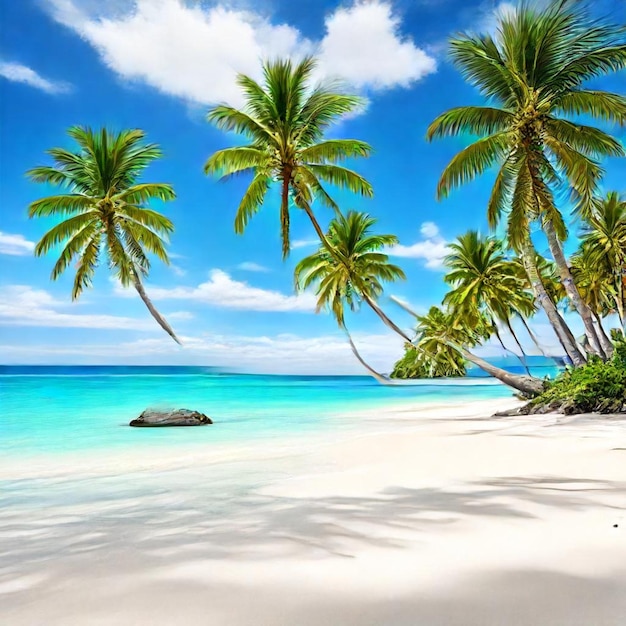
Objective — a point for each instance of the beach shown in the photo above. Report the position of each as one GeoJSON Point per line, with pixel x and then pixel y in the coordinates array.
{"type": "Point", "coordinates": [428, 513]}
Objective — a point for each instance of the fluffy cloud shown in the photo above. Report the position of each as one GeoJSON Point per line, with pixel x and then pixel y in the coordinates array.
{"type": "Point", "coordinates": [224, 292]}
{"type": "Point", "coordinates": [21, 305]}
{"type": "Point", "coordinates": [364, 47]}
{"type": "Point", "coordinates": [15, 245]}
{"type": "Point", "coordinates": [432, 248]}
{"type": "Point", "coordinates": [288, 354]}
{"type": "Point", "coordinates": [195, 52]}
{"type": "Point", "coordinates": [22, 74]}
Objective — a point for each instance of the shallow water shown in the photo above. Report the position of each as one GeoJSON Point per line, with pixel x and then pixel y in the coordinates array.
{"type": "Point", "coordinates": [70, 409]}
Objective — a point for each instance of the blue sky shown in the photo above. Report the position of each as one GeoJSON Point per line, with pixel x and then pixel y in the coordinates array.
{"type": "Point", "coordinates": [158, 65]}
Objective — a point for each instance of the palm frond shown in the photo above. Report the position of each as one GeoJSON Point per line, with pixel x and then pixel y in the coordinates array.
{"type": "Point", "coordinates": [343, 178]}
{"type": "Point", "coordinates": [139, 194]}
{"type": "Point", "coordinates": [65, 230]}
{"type": "Point", "coordinates": [473, 161]}
{"type": "Point", "coordinates": [601, 105]}
{"type": "Point", "coordinates": [67, 204]}
{"type": "Point", "coordinates": [251, 201]}
{"type": "Point", "coordinates": [470, 119]}
{"type": "Point", "coordinates": [232, 160]}
{"type": "Point", "coordinates": [335, 150]}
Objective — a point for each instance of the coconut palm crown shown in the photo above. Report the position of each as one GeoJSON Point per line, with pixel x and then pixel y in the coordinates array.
{"type": "Point", "coordinates": [354, 270]}
{"type": "Point", "coordinates": [533, 72]}
{"type": "Point", "coordinates": [103, 209]}
{"type": "Point", "coordinates": [284, 120]}
{"type": "Point", "coordinates": [358, 267]}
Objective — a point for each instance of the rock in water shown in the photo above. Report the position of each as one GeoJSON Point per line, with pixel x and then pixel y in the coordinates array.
{"type": "Point", "coordinates": [179, 417]}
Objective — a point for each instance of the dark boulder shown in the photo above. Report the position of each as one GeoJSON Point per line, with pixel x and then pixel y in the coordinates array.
{"type": "Point", "coordinates": [179, 417]}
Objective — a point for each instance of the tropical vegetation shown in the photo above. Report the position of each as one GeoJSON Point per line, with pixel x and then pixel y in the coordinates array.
{"type": "Point", "coordinates": [284, 120]}
{"type": "Point", "coordinates": [104, 210]}
{"type": "Point", "coordinates": [534, 73]}
{"type": "Point", "coordinates": [596, 387]}
{"type": "Point", "coordinates": [353, 274]}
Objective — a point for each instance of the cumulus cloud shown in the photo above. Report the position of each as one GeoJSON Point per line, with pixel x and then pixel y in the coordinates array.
{"type": "Point", "coordinates": [432, 248]}
{"type": "Point", "coordinates": [194, 51]}
{"type": "Point", "coordinates": [363, 46]}
{"type": "Point", "coordinates": [250, 266]}
{"type": "Point", "coordinates": [283, 353]}
{"type": "Point", "coordinates": [15, 245]}
{"type": "Point", "coordinates": [19, 73]}
{"type": "Point", "coordinates": [22, 305]}
{"type": "Point", "coordinates": [224, 292]}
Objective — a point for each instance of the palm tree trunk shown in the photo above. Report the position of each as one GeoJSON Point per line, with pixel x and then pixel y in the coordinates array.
{"type": "Point", "coordinates": [527, 385]}
{"type": "Point", "coordinates": [284, 215]}
{"type": "Point", "coordinates": [598, 341]}
{"type": "Point", "coordinates": [389, 323]}
{"type": "Point", "coordinates": [564, 334]}
{"type": "Point", "coordinates": [379, 377]}
{"type": "Point", "coordinates": [619, 303]}
{"type": "Point", "coordinates": [501, 342]}
{"type": "Point", "coordinates": [522, 358]}
{"type": "Point", "coordinates": [155, 314]}
{"type": "Point", "coordinates": [533, 337]}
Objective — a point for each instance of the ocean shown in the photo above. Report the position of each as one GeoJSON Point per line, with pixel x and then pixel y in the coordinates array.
{"type": "Point", "coordinates": [63, 409]}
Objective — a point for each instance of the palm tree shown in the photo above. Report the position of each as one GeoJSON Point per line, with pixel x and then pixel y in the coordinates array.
{"type": "Point", "coordinates": [104, 209]}
{"type": "Point", "coordinates": [284, 120]}
{"type": "Point", "coordinates": [604, 244]}
{"type": "Point", "coordinates": [442, 331]}
{"type": "Point", "coordinates": [534, 73]}
{"type": "Point", "coordinates": [354, 272]}
{"type": "Point", "coordinates": [595, 283]}
{"type": "Point", "coordinates": [418, 364]}
{"type": "Point", "coordinates": [486, 283]}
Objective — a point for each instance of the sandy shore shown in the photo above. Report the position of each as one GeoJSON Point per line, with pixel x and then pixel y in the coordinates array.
{"type": "Point", "coordinates": [425, 516]}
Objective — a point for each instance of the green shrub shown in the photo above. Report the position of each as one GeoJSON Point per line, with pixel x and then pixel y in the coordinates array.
{"type": "Point", "coordinates": [595, 387]}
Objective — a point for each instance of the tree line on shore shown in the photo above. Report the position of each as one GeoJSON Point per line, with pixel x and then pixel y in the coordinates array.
{"type": "Point", "coordinates": [533, 75]}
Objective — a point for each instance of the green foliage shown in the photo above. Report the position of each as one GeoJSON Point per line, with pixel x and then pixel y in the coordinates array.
{"type": "Point", "coordinates": [285, 119]}
{"type": "Point", "coordinates": [415, 364]}
{"type": "Point", "coordinates": [104, 209]}
{"type": "Point", "coordinates": [533, 74]}
{"type": "Point", "coordinates": [595, 387]}
{"type": "Point", "coordinates": [356, 269]}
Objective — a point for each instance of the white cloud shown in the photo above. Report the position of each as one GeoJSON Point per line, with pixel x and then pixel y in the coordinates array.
{"type": "Point", "coordinates": [19, 73]}
{"type": "Point", "coordinates": [21, 305]}
{"type": "Point", "coordinates": [195, 52]}
{"type": "Point", "coordinates": [224, 292]}
{"type": "Point", "coordinates": [363, 46]}
{"type": "Point", "coordinates": [284, 353]}
{"type": "Point", "coordinates": [15, 245]}
{"type": "Point", "coordinates": [304, 243]}
{"type": "Point", "coordinates": [249, 266]}
{"type": "Point", "coordinates": [432, 248]}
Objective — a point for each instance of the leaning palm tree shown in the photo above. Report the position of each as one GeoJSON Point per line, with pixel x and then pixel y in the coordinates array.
{"type": "Point", "coordinates": [485, 283]}
{"type": "Point", "coordinates": [595, 283]}
{"type": "Point", "coordinates": [284, 120]}
{"type": "Point", "coordinates": [604, 244]}
{"type": "Point", "coordinates": [104, 209]}
{"type": "Point", "coordinates": [533, 73]}
{"type": "Point", "coordinates": [354, 272]}
{"type": "Point", "coordinates": [441, 331]}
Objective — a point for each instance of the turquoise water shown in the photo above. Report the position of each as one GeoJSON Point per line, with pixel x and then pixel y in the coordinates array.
{"type": "Point", "coordinates": [60, 409]}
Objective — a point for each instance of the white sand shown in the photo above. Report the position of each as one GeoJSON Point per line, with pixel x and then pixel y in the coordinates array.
{"type": "Point", "coordinates": [424, 517]}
